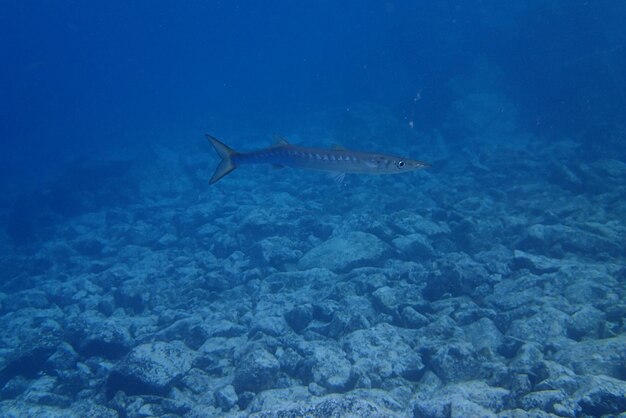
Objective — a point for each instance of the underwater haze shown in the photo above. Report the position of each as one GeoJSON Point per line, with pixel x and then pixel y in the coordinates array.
{"type": "Point", "coordinates": [485, 276]}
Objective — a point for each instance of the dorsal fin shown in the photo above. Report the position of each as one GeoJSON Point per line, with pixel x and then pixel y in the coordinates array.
{"type": "Point", "coordinates": [338, 147]}
{"type": "Point", "coordinates": [279, 140]}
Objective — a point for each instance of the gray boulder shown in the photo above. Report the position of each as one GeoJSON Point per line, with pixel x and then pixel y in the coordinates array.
{"type": "Point", "coordinates": [528, 357]}
{"type": "Point", "coordinates": [257, 370]}
{"type": "Point", "coordinates": [42, 392]}
{"type": "Point", "coordinates": [547, 325]}
{"type": "Point", "coordinates": [345, 252]}
{"type": "Point", "coordinates": [89, 246]}
{"type": "Point", "coordinates": [537, 264]}
{"type": "Point", "coordinates": [555, 377]}
{"type": "Point", "coordinates": [178, 402]}
{"type": "Point", "coordinates": [88, 408]}
{"type": "Point", "coordinates": [610, 168]}
{"type": "Point", "coordinates": [151, 368]}
{"type": "Point", "coordinates": [190, 330]}
{"type": "Point", "coordinates": [455, 274]}
{"type": "Point", "coordinates": [289, 360]}
{"type": "Point", "coordinates": [299, 317]}
{"type": "Point", "coordinates": [414, 246]}
{"type": "Point", "coordinates": [456, 362]}
{"type": "Point", "coordinates": [105, 338]}
{"type": "Point", "coordinates": [384, 300]}
{"type": "Point", "coordinates": [468, 399]}
{"type": "Point", "coordinates": [484, 334]}
{"type": "Point", "coordinates": [270, 402]}
{"type": "Point", "coordinates": [602, 395]}
{"type": "Point", "coordinates": [31, 298]}
{"type": "Point", "coordinates": [596, 290]}
{"type": "Point", "coordinates": [30, 336]}
{"type": "Point", "coordinates": [596, 357]}
{"type": "Point", "coordinates": [379, 353]}
{"type": "Point", "coordinates": [276, 251]}
{"type": "Point", "coordinates": [298, 402]}
{"type": "Point", "coordinates": [327, 366]}
{"type": "Point", "coordinates": [226, 398]}
{"type": "Point", "coordinates": [516, 293]}
{"type": "Point", "coordinates": [64, 358]}
{"type": "Point", "coordinates": [409, 222]}
{"type": "Point", "coordinates": [224, 328]}
{"type": "Point", "coordinates": [543, 400]}
{"type": "Point", "coordinates": [273, 326]}
{"type": "Point", "coordinates": [325, 309]}
{"type": "Point", "coordinates": [587, 322]}
{"type": "Point", "coordinates": [344, 323]}
{"type": "Point", "coordinates": [410, 318]}
{"type": "Point", "coordinates": [555, 238]}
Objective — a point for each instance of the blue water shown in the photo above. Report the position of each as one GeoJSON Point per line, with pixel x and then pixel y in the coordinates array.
{"type": "Point", "coordinates": [491, 284]}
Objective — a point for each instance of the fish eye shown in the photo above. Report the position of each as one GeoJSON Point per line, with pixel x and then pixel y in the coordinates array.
{"type": "Point", "coordinates": [400, 164]}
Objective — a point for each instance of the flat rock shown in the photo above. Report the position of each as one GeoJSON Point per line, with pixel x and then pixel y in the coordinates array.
{"type": "Point", "coordinates": [411, 223]}
{"type": "Point", "coordinates": [611, 168]}
{"type": "Point", "coordinates": [542, 238]}
{"type": "Point", "coordinates": [298, 402]}
{"type": "Point", "coordinates": [537, 264]}
{"type": "Point", "coordinates": [345, 252]}
{"type": "Point", "coordinates": [224, 328]}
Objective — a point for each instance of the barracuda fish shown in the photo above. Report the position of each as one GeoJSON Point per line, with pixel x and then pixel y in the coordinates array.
{"type": "Point", "coordinates": [338, 162]}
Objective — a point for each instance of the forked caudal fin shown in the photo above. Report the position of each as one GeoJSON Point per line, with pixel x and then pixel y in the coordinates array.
{"type": "Point", "coordinates": [226, 153]}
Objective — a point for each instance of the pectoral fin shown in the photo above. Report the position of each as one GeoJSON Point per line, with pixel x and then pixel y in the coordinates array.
{"type": "Point", "coordinates": [338, 177]}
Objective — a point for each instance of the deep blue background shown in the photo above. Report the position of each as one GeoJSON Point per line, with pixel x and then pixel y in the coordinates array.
{"type": "Point", "coordinates": [84, 78]}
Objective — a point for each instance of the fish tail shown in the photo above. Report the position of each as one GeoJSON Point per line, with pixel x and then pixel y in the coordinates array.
{"type": "Point", "coordinates": [226, 154]}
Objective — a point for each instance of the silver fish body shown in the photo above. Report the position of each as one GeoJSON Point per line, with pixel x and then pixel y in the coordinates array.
{"type": "Point", "coordinates": [331, 160]}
